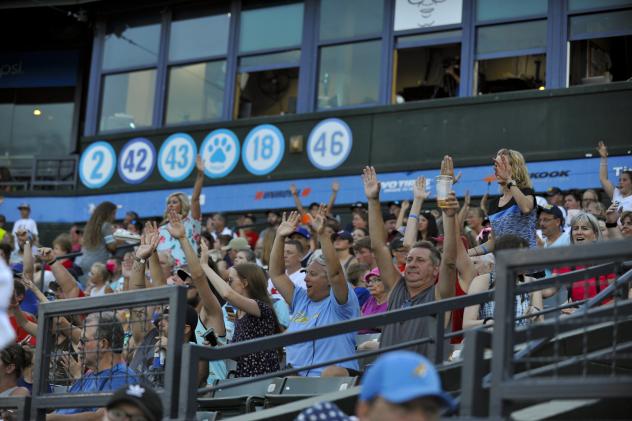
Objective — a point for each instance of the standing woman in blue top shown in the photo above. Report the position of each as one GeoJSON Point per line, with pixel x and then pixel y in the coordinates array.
{"type": "Point", "coordinates": [515, 211]}
{"type": "Point", "coordinates": [191, 214]}
{"type": "Point", "coordinates": [327, 299]}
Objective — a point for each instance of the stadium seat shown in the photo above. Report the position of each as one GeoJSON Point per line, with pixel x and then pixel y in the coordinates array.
{"type": "Point", "coordinates": [240, 399]}
{"type": "Point", "coordinates": [295, 388]}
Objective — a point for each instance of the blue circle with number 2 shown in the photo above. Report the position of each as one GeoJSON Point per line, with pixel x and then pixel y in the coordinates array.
{"type": "Point", "coordinates": [263, 149]}
{"type": "Point", "coordinates": [136, 160]}
{"type": "Point", "coordinates": [97, 163]}
{"type": "Point", "coordinates": [176, 158]}
{"type": "Point", "coordinates": [329, 144]}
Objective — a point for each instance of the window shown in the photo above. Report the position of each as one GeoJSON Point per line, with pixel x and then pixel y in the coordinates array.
{"type": "Point", "coordinates": [513, 36]}
{"type": "Point", "coordinates": [128, 85]}
{"type": "Point", "coordinates": [267, 92]}
{"type": "Point", "coordinates": [575, 5]}
{"type": "Point", "coordinates": [349, 75]}
{"type": "Point", "coordinates": [271, 27]}
{"type": "Point", "coordinates": [350, 18]}
{"type": "Point", "coordinates": [128, 100]}
{"type": "Point", "coordinates": [511, 74]}
{"type": "Point", "coordinates": [601, 60]}
{"type": "Point", "coordinates": [427, 72]}
{"type": "Point", "coordinates": [416, 14]}
{"type": "Point", "coordinates": [601, 23]}
{"type": "Point", "coordinates": [36, 121]}
{"type": "Point", "coordinates": [196, 92]}
{"type": "Point", "coordinates": [198, 48]}
{"type": "Point", "coordinates": [487, 10]}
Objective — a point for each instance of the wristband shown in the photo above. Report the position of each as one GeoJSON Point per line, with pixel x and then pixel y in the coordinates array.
{"type": "Point", "coordinates": [412, 215]}
{"type": "Point", "coordinates": [486, 319]}
{"type": "Point", "coordinates": [139, 260]}
{"type": "Point", "coordinates": [611, 224]}
{"type": "Point", "coordinates": [485, 251]}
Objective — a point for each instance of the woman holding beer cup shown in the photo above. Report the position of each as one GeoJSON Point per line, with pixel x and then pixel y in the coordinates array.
{"type": "Point", "coordinates": [515, 211]}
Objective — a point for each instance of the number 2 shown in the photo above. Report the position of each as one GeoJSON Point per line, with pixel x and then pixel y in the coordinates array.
{"type": "Point", "coordinates": [99, 157]}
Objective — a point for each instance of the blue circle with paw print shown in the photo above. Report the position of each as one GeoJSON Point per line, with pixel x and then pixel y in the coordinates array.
{"type": "Point", "coordinates": [220, 153]}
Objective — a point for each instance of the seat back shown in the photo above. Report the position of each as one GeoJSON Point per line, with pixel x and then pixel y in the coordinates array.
{"type": "Point", "coordinates": [258, 388]}
{"type": "Point", "coordinates": [316, 385]}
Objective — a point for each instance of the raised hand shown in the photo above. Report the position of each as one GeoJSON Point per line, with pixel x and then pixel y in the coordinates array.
{"type": "Point", "coordinates": [467, 199]}
{"type": "Point", "coordinates": [204, 252]}
{"type": "Point", "coordinates": [602, 149]}
{"type": "Point", "coordinates": [447, 166]}
{"type": "Point", "coordinates": [371, 185]}
{"type": "Point", "coordinates": [27, 282]}
{"type": "Point", "coordinates": [199, 163]}
{"type": "Point", "coordinates": [451, 205]}
{"type": "Point", "coordinates": [612, 214]}
{"type": "Point", "coordinates": [293, 189]}
{"type": "Point", "coordinates": [175, 226]}
{"type": "Point", "coordinates": [318, 223]}
{"type": "Point", "coordinates": [148, 241]}
{"type": "Point", "coordinates": [502, 169]}
{"type": "Point", "coordinates": [405, 206]}
{"type": "Point", "coordinates": [419, 188]}
{"type": "Point", "coordinates": [46, 255]}
{"type": "Point", "coordinates": [288, 225]}
{"type": "Point", "coordinates": [335, 187]}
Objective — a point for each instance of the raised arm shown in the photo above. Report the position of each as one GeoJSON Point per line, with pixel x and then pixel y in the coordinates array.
{"type": "Point", "coordinates": [148, 243]}
{"type": "Point", "coordinates": [29, 284]}
{"type": "Point", "coordinates": [503, 170]}
{"type": "Point", "coordinates": [196, 210]}
{"type": "Point", "coordinates": [612, 216]}
{"type": "Point", "coordinates": [460, 217]}
{"type": "Point", "coordinates": [603, 170]}
{"type": "Point", "coordinates": [210, 305]}
{"type": "Point", "coordinates": [419, 195]}
{"type": "Point", "coordinates": [334, 269]}
{"type": "Point", "coordinates": [447, 268]}
{"type": "Point", "coordinates": [277, 264]}
{"type": "Point", "coordinates": [335, 188]}
{"type": "Point", "coordinates": [297, 200]}
{"type": "Point", "coordinates": [470, 314]}
{"type": "Point", "coordinates": [402, 214]}
{"type": "Point", "coordinates": [65, 280]}
{"type": "Point", "coordinates": [29, 326]}
{"type": "Point", "coordinates": [157, 276]}
{"type": "Point", "coordinates": [28, 262]}
{"type": "Point", "coordinates": [377, 233]}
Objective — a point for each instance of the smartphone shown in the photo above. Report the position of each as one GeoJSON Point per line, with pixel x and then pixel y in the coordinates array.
{"type": "Point", "coordinates": [210, 336]}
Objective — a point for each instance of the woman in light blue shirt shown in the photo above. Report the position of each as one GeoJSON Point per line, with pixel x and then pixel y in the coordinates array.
{"type": "Point", "coordinates": [328, 298]}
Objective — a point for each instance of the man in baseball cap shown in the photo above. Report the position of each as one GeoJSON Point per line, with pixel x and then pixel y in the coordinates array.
{"type": "Point", "coordinates": [134, 402]}
{"type": "Point", "coordinates": [401, 385]}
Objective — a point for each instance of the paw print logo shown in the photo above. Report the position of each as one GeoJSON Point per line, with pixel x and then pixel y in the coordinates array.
{"type": "Point", "coordinates": [218, 150]}
{"type": "Point", "coordinates": [220, 153]}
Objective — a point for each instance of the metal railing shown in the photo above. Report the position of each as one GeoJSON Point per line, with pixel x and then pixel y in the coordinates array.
{"type": "Point", "coordinates": [507, 384]}
{"type": "Point", "coordinates": [174, 297]}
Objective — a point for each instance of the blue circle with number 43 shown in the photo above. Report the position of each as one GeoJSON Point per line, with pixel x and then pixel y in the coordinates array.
{"type": "Point", "coordinates": [329, 144]}
{"type": "Point", "coordinates": [97, 164]}
{"type": "Point", "coordinates": [136, 160]}
{"type": "Point", "coordinates": [176, 158]}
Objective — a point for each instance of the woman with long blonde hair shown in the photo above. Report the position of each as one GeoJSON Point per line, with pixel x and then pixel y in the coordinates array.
{"type": "Point", "coordinates": [98, 242]}
{"type": "Point", "coordinates": [191, 214]}
{"type": "Point", "coordinates": [515, 211]}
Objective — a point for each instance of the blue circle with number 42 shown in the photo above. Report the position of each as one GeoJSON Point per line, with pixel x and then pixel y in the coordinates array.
{"type": "Point", "coordinates": [329, 144]}
{"type": "Point", "coordinates": [97, 164]}
{"type": "Point", "coordinates": [176, 158]}
{"type": "Point", "coordinates": [136, 160]}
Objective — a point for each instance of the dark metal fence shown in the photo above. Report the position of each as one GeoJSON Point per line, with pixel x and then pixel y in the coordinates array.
{"type": "Point", "coordinates": [48, 353]}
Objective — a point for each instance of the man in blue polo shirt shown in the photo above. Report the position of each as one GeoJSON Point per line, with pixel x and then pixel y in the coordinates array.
{"type": "Point", "coordinates": [101, 346]}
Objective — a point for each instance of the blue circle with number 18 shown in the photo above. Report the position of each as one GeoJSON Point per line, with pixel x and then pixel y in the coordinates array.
{"type": "Point", "coordinates": [263, 149]}
{"type": "Point", "coordinates": [136, 160]}
{"type": "Point", "coordinates": [97, 164]}
{"type": "Point", "coordinates": [176, 158]}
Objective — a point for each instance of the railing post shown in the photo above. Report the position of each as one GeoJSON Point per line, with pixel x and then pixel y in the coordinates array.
{"type": "Point", "coordinates": [474, 369]}
{"type": "Point", "coordinates": [439, 339]}
{"type": "Point", "coordinates": [188, 384]}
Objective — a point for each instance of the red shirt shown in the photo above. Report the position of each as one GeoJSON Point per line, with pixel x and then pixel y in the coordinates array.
{"type": "Point", "coordinates": [20, 333]}
{"type": "Point", "coordinates": [457, 315]}
{"type": "Point", "coordinates": [587, 288]}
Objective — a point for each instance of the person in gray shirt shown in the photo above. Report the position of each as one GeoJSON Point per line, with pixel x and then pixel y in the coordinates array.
{"type": "Point", "coordinates": [416, 286]}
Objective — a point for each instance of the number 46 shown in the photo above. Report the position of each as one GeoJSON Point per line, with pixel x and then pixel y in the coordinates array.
{"type": "Point", "coordinates": [335, 144]}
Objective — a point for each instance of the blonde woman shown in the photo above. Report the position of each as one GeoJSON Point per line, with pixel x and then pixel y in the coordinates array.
{"type": "Point", "coordinates": [515, 211]}
{"type": "Point", "coordinates": [191, 215]}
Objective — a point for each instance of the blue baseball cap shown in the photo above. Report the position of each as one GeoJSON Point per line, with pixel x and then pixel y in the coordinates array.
{"type": "Point", "coordinates": [402, 376]}
{"type": "Point", "coordinates": [302, 231]}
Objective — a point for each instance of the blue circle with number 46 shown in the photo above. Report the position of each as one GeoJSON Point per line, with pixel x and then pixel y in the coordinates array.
{"type": "Point", "coordinates": [329, 144]}
{"type": "Point", "coordinates": [97, 164]}
{"type": "Point", "coordinates": [176, 158]}
{"type": "Point", "coordinates": [136, 160]}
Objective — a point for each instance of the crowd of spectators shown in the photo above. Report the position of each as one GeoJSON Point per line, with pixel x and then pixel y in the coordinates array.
{"type": "Point", "coordinates": [300, 269]}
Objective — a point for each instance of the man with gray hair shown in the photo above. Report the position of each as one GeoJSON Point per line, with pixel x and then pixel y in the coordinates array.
{"type": "Point", "coordinates": [101, 347]}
